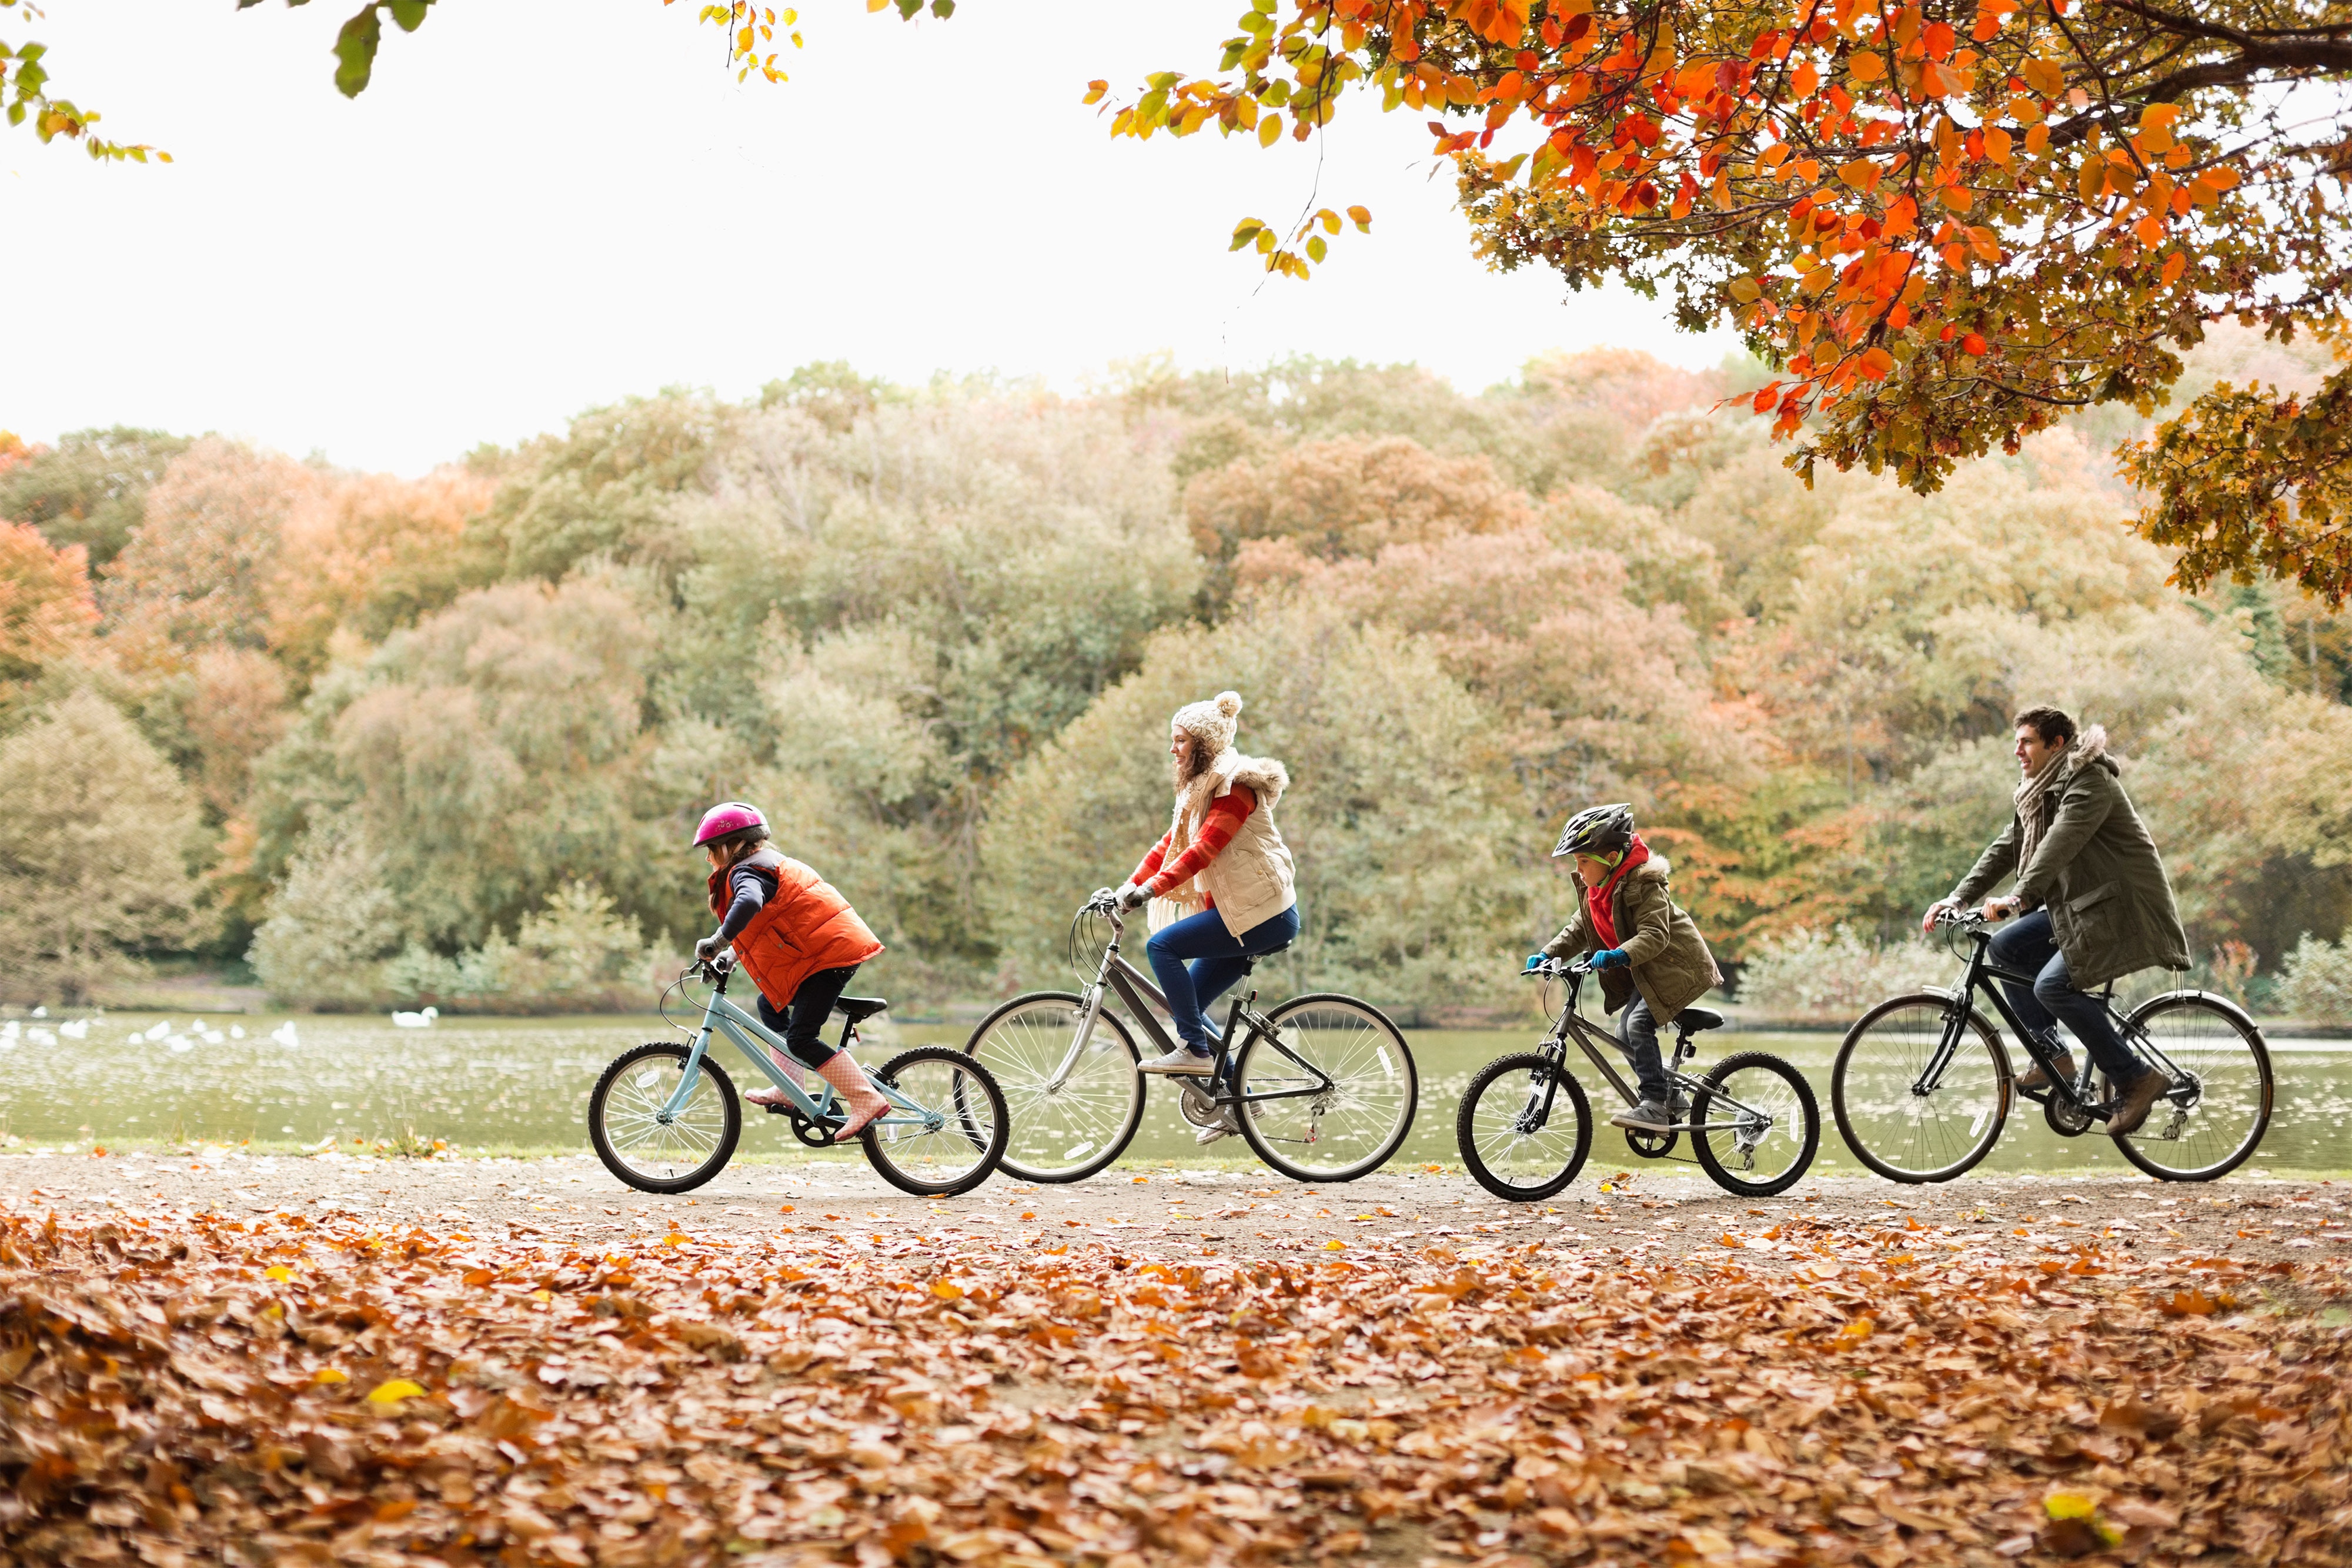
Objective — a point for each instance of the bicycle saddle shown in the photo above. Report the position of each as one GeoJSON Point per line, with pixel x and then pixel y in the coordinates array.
{"type": "Point", "coordinates": [1697, 1020]}
{"type": "Point", "coordinates": [1249, 960]}
{"type": "Point", "coordinates": [857, 1010]}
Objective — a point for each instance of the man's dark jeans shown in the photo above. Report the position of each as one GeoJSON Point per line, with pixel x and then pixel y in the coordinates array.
{"type": "Point", "coordinates": [2026, 947]}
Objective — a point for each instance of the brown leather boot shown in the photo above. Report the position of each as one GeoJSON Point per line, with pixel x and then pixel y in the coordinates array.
{"type": "Point", "coordinates": [2038, 1076]}
{"type": "Point", "coordinates": [2132, 1108]}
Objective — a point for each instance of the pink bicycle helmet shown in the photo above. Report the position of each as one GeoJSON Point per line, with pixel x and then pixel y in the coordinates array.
{"type": "Point", "coordinates": [725, 818]}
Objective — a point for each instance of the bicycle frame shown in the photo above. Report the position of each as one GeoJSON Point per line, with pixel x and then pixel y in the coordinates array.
{"type": "Point", "coordinates": [720, 1016]}
{"type": "Point", "coordinates": [1571, 1022]}
{"type": "Point", "coordinates": [1981, 975]}
{"type": "Point", "coordinates": [1143, 998]}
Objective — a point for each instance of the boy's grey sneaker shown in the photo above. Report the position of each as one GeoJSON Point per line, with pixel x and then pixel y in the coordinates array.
{"type": "Point", "coordinates": [1648, 1116]}
{"type": "Point", "coordinates": [1181, 1064]}
{"type": "Point", "coordinates": [2038, 1076]}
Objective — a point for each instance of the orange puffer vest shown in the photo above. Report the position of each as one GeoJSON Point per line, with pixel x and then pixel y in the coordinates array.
{"type": "Point", "coordinates": [806, 926]}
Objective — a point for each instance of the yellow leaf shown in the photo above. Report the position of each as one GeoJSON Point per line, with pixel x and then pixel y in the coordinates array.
{"type": "Point", "coordinates": [1860, 174]}
{"type": "Point", "coordinates": [1095, 91]}
{"type": "Point", "coordinates": [2069, 1505]}
{"type": "Point", "coordinates": [948, 1290]}
{"type": "Point", "coordinates": [1362, 217]}
{"type": "Point", "coordinates": [1866, 66]}
{"type": "Point", "coordinates": [1745, 290]}
{"type": "Point", "coordinates": [331, 1375]}
{"type": "Point", "coordinates": [393, 1391]}
{"type": "Point", "coordinates": [2047, 78]}
{"type": "Point", "coordinates": [1334, 1245]}
{"type": "Point", "coordinates": [1329, 220]}
{"type": "Point", "coordinates": [1857, 1330]}
{"type": "Point", "coordinates": [1269, 130]}
{"type": "Point", "coordinates": [279, 1272]}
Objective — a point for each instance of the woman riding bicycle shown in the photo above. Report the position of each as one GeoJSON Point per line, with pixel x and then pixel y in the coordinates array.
{"type": "Point", "coordinates": [1220, 881]}
{"type": "Point", "coordinates": [1651, 959]}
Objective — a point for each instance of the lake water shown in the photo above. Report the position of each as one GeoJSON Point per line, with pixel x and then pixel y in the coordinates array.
{"type": "Point", "coordinates": [517, 1085]}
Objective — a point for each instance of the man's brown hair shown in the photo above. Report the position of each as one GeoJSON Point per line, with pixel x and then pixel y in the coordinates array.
{"type": "Point", "coordinates": [2052, 725]}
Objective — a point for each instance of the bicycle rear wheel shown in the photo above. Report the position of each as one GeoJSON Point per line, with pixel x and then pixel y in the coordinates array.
{"type": "Point", "coordinates": [625, 1124]}
{"type": "Point", "coordinates": [1907, 1132]}
{"type": "Point", "coordinates": [2220, 1106]}
{"type": "Point", "coordinates": [1069, 1129]}
{"type": "Point", "coordinates": [1765, 1143]}
{"type": "Point", "coordinates": [1330, 1094]}
{"type": "Point", "coordinates": [1513, 1143]}
{"type": "Point", "coordinates": [961, 1134]}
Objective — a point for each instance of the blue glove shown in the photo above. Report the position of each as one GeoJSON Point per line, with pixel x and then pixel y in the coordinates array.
{"type": "Point", "coordinates": [1534, 961]}
{"type": "Point", "coordinates": [1611, 958]}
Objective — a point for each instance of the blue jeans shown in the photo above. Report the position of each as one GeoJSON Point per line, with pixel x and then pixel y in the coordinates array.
{"type": "Point", "coordinates": [1215, 956]}
{"type": "Point", "coordinates": [2026, 947]}
{"type": "Point", "coordinates": [1637, 1037]}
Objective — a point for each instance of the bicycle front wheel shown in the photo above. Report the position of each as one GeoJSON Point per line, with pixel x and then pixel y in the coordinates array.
{"type": "Point", "coordinates": [1900, 1122]}
{"type": "Point", "coordinates": [950, 1132]}
{"type": "Point", "coordinates": [1329, 1094]}
{"type": "Point", "coordinates": [1757, 1125]}
{"type": "Point", "coordinates": [656, 1153]}
{"type": "Point", "coordinates": [1066, 1125]}
{"type": "Point", "coordinates": [1525, 1126]}
{"type": "Point", "coordinates": [2214, 1116]}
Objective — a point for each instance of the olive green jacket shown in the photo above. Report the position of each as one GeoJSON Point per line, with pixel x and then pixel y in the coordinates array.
{"type": "Point", "coordinates": [2095, 869]}
{"type": "Point", "coordinates": [1667, 959]}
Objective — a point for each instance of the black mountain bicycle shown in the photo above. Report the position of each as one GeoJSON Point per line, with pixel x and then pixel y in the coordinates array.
{"type": "Point", "coordinates": [1922, 1085]}
{"type": "Point", "coordinates": [1525, 1126]}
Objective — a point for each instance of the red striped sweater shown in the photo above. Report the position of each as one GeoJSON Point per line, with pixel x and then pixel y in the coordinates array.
{"type": "Point", "coordinates": [1225, 819]}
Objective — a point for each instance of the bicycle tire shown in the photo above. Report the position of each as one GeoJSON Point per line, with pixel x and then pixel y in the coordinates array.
{"type": "Point", "coordinates": [642, 1096]}
{"type": "Point", "coordinates": [1800, 1094]}
{"type": "Point", "coordinates": [1985, 1121]}
{"type": "Point", "coordinates": [1274, 1129]}
{"type": "Point", "coordinates": [1569, 1095]}
{"type": "Point", "coordinates": [2149, 1149]}
{"type": "Point", "coordinates": [1011, 1063]}
{"type": "Point", "coordinates": [897, 1154]}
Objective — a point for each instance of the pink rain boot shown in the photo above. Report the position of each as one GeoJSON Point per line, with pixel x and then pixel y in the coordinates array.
{"type": "Point", "coordinates": [772, 1095]}
{"type": "Point", "coordinates": [859, 1097]}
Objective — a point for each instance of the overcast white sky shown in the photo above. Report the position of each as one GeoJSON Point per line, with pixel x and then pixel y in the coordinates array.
{"type": "Point", "coordinates": [539, 207]}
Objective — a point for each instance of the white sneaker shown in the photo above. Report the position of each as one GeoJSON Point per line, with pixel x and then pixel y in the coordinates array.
{"type": "Point", "coordinates": [1207, 1135]}
{"type": "Point", "coordinates": [1181, 1064]}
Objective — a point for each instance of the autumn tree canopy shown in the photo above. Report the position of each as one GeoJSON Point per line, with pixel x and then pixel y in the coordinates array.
{"type": "Point", "coordinates": [1948, 223]}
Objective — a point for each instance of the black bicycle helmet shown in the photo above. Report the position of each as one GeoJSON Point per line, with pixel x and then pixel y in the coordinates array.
{"type": "Point", "coordinates": [1597, 830]}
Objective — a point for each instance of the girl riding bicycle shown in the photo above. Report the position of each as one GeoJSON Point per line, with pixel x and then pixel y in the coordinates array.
{"type": "Point", "coordinates": [798, 939]}
{"type": "Point", "coordinates": [1652, 960]}
{"type": "Point", "coordinates": [1220, 881]}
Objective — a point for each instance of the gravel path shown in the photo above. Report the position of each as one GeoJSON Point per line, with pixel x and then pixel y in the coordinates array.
{"type": "Point", "coordinates": [1822, 1225]}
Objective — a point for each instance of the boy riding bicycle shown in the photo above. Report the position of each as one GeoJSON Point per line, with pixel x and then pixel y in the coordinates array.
{"type": "Point", "coordinates": [1652, 960]}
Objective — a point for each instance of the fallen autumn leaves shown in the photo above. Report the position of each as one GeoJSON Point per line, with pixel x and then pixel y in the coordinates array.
{"type": "Point", "coordinates": [180, 1392]}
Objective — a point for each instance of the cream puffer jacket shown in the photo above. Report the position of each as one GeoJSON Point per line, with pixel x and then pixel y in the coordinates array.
{"type": "Point", "coordinates": [1252, 879]}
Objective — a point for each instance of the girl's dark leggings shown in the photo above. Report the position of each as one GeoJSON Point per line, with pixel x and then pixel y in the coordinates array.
{"type": "Point", "coordinates": [803, 1023]}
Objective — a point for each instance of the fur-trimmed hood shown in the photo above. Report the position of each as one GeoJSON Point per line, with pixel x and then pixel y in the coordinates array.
{"type": "Point", "coordinates": [1266, 780]}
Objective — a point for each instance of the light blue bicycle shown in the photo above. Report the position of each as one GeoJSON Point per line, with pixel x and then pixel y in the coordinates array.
{"type": "Point", "coordinates": [665, 1117]}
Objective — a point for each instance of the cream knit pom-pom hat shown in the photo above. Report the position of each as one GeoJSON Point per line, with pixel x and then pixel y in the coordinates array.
{"type": "Point", "coordinates": [1209, 723]}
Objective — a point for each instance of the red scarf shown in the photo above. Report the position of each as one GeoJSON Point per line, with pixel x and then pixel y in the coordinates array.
{"type": "Point", "coordinates": [1597, 900]}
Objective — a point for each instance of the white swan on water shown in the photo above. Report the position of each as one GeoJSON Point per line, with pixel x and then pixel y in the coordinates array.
{"type": "Point", "coordinates": [284, 1035]}
{"type": "Point", "coordinates": [416, 1020]}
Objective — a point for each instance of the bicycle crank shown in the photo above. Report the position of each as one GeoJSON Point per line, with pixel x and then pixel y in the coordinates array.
{"type": "Point", "coordinates": [1198, 1108]}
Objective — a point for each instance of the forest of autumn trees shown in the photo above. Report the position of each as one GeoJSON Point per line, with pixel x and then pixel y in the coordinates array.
{"type": "Point", "coordinates": [444, 738]}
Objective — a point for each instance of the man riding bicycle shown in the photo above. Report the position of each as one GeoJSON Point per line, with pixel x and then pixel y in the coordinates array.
{"type": "Point", "coordinates": [2096, 904]}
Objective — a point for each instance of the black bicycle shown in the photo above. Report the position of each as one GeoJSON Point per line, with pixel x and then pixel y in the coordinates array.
{"type": "Point", "coordinates": [1922, 1086]}
{"type": "Point", "coordinates": [1525, 1126]}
